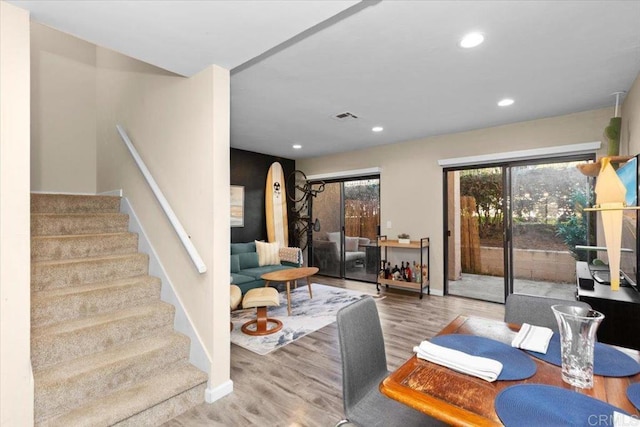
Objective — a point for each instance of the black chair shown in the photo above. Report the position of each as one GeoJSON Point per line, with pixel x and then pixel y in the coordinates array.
{"type": "Point", "coordinates": [364, 366]}
{"type": "Point", "coordinates": [535, 310]}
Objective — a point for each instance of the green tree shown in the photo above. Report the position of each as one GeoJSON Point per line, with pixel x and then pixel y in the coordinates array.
{"type": "Point", "coordinates": [573, 230]}
{"type": "Point", "coordinates": [485, 186]}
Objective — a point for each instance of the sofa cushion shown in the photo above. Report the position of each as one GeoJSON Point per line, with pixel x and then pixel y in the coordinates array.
{"type": "Point", "coordinates": [239, 279]}
{"type": "Point", "coordinates": [334, 237]}
{"type": "Point", "coordinates": [248, 260]}
{"type": "Point", "coordinates": [350, 244]}
{"type": "Point", "coordinates": [245, 287]}
{"type": "Point", "coordinates": [363, 241]}
{"type": "Point", "coordinates": [268, 253]}
{"type": "Point", "coordinates": [259, 271]}
{"type": "Point", "coordinates": [241, 248]}
{"type": "Point", "coordinates": [235, 263]}
{"type": "Point", "coordinates": [354, 256]}
{"type": "Point", "coordinates": [326, 250]}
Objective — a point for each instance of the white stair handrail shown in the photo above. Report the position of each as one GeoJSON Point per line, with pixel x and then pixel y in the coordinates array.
{"type": "Point", "coordinates": [182, 234]}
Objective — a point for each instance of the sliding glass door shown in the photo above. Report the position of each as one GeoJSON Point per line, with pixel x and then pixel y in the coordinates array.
{"type": "Point", "coordinates": [348, 212]}
{"type": "Point", "coordinates": [326, 244]}
{"type": "Point", "coordinates": [476, 249]}
{"type": "Point", "coordinates": [547, 222]}
{"type": "Point", "coordinates": [514, 227]}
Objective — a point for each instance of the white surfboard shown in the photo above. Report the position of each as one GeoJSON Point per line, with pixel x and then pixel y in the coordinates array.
{"type": "Point", "coordinates": [276, 206]}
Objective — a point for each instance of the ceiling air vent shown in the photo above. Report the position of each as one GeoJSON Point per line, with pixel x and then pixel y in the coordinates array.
{"type": "Point", "coordinates": [344, 116]}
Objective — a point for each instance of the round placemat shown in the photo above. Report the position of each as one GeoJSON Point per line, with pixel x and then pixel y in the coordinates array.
{"type": "Point", "coordinates": [516, 365]}
{"type": "Point", "coordinates": [607, 361]}
{"type": "Point", "coordinates": [544, 405]}
{"type": "Point", "coordinates": [633, 393]}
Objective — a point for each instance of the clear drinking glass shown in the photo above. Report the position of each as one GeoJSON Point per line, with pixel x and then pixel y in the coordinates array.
{"type": "Point", "coordinates": [578, 328]}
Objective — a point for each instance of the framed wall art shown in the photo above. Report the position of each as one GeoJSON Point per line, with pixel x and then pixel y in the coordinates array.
{"type": "Point", "coordinates": [237, 206]}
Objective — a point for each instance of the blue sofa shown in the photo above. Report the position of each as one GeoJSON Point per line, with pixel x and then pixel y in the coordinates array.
{"type": "Point", "coordinates": [245, 270]}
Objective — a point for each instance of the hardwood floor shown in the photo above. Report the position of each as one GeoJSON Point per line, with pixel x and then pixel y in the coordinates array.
{"type": "Point", "coordinates": [301, 383]}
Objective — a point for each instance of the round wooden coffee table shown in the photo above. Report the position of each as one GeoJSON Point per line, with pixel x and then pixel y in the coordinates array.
{"type": "Point", "coordinates": [288, 276]}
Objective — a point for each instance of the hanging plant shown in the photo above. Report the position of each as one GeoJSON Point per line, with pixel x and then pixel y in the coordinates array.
{"type": "Point", "coordinates": [612, 132]}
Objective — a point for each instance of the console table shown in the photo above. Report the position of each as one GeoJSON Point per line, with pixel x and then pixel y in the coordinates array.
{"type": "Point", "coordinates": [423, 246]}
{"type": "Point", "coordinates": [621, 308]}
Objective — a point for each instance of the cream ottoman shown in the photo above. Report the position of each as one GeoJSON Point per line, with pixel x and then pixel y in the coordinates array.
{"type": "Point", "coordinates": [261, 298]}
{"type": "Point", "coordinates": [235, 298]}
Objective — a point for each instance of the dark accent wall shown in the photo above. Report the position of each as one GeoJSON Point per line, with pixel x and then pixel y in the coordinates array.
{"type": "Point", "coordinates": [250, 170]}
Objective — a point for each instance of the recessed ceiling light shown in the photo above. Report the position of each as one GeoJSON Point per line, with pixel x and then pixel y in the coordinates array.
{"type": "Point", "coordinates": [505, 102]}
{"type": "Point", "coordinates": [297, 146]}
{"type": "Point", "coordinates": [377, 129]}
{"type": "Point", "coordinates": [471, 40]}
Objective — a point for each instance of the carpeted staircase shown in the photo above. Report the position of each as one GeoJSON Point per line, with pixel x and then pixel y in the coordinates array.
{"type": "Point", "coordinates": [103, 348]}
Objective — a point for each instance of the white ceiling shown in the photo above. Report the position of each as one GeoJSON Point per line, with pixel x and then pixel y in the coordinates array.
{"type": "Point", "coordinates": [392, 63]}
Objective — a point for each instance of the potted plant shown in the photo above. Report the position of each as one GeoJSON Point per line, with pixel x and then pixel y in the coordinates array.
{"type": "Point", "coordinates": [403, 239]}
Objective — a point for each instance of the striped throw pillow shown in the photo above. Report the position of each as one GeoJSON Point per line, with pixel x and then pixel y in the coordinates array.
{"type": "Point", "coordinates": [268, 253]}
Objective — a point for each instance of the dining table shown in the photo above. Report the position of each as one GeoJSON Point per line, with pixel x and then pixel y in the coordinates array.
{"type": "Point", "coordinates": [463, 400]}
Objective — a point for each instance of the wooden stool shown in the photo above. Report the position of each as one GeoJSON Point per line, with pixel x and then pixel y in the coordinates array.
{"type": "Point", "coordinates": [261, 298]}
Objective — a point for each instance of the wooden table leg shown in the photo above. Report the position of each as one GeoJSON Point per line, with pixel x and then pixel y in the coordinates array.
{"type": "Point", "coordinates": [266, 283]}
{"type": "Point", "coordinates": [289, 297]}
{"type": "Point", "coordinates": [309, 285]}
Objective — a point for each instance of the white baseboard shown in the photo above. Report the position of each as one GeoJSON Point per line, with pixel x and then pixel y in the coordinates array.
{"type": "Point", "coordinates": [437, 292]}
{"type": "Point", "coordinates": [213, 394]}
{"type": "Point", "coordinates": [118, 193]}
{"type": "Point", "coordinates": [182, 323]}
{"type": "Point", "coordinates": [66, 193]}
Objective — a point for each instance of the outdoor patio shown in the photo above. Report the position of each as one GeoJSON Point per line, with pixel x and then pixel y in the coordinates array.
{"type": "Point", "coordinates": [491, 288]}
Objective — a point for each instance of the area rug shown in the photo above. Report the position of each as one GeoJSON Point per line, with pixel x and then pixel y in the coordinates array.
{"type": "Point", "coordinates": [307, 315]}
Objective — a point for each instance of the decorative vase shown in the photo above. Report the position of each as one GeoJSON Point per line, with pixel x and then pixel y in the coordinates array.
{"type": "Point", "coordinates": [578, 327]}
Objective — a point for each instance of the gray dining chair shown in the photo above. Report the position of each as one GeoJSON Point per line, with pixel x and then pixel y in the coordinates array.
{"type": "Point", "coordinates": [535, 310]}
{"type": "Point", "coordinates": [364, 366]}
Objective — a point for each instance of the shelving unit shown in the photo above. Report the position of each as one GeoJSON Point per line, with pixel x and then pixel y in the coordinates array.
{"type": "Point", "coordinates": [422, 245]}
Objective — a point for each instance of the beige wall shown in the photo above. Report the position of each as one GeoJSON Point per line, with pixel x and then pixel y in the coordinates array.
{"type": "Point", "coordinates": [630, 129]}
{"type": "Point", "coordinates": [16, 382]}
{"type": "Point", "coordinates": [416, 162]}
{"type": "Point", "coordinates": [180, 128]}
{"type": "Point", "coordinates": [63, 112]}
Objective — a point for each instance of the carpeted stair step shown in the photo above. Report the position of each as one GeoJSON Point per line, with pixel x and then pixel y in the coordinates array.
{"type": "Point", "coordinates": [70, 303]}
{"type": "Point", "coordinates": [48, 224]}
{"type": "Point", "coordinates": [45, 248]}
{"type": "Point", "coordinates": [47, 275]}
{"type": "Point", "coordinates": [65, 341]}
{"type": "Point", "coordinates": [68, 385]}
{"type": "Point", "coordinates": [68, 203]}
{"type": "Point", "coordinates": [103, 348]}
{"type": "Point", "coordinates": [148, 403]}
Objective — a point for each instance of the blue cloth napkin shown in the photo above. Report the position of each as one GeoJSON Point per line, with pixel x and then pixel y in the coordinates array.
{"type": "Point", "coordinates": [516, 365]}
{"type": "Point", "coordinates": [529, 405]}
{"type": "Point", "coordinates": [607, 361]}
